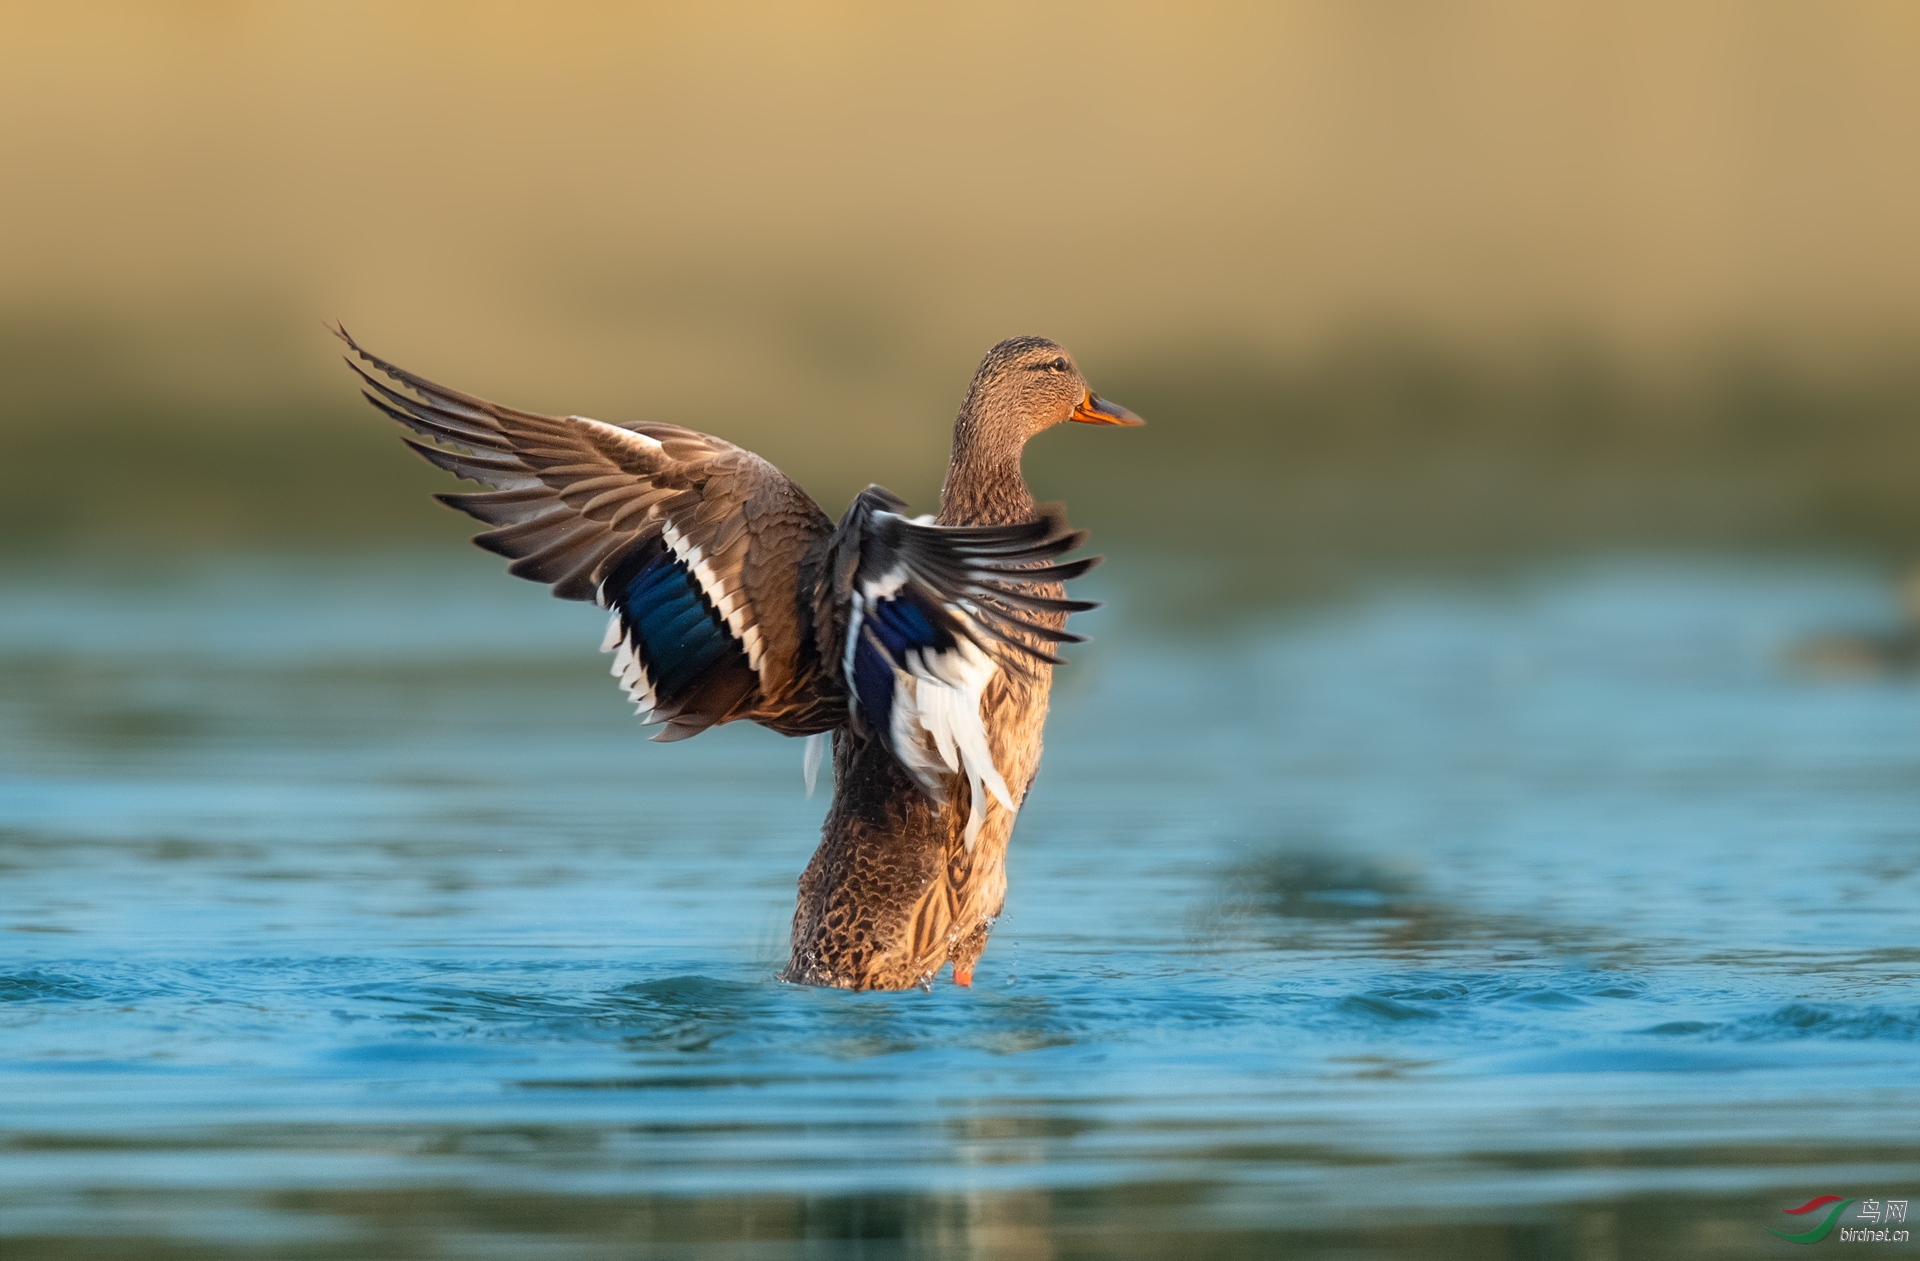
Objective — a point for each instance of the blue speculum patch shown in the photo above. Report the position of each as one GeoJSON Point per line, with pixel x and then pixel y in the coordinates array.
{"type": "Point", "coordinates": [900, 625]}
{"type": "Point", "coordinates": [681, 634]}
{"type": "Point", "coordinates": [873, 684]}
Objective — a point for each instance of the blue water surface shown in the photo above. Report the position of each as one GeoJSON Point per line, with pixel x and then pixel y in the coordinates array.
{"type": "Point", "coordinates": [348, 912]}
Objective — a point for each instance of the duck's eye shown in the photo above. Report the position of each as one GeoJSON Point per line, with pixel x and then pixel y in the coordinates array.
{"type": "Point", "coordinates": [1059, 365]}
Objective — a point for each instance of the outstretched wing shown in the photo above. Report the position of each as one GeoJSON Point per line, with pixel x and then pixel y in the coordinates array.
{"type": "Point", "coordinates": [932, 614]}
{"type": "Point", "coordinates": [701, 551]}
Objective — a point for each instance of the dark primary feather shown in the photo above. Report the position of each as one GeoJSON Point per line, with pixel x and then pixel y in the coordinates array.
{"type": "Point", "coordinates": [960, 582]}
{"type": "Point", "coordinates": [982, 569]}
{"type": "Point", "coordinates": [931, 613]}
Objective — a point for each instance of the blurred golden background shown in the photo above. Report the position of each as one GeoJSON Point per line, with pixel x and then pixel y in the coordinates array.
{"type": "Point", "coordinates": [1394, 283]}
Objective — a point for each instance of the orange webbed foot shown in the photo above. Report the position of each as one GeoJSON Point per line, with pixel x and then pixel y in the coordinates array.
{"type": "Point", "coordinates": [962, 976]}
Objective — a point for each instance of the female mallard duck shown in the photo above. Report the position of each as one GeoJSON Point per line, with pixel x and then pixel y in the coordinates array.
{"type": "Point", "coordinates": [921, 643]}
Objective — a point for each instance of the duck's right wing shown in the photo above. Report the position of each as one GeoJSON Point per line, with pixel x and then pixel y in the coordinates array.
{"type": "Point", "coordinates": [928, 614]}
{"type": "Point", "coordinates": [705, 555]}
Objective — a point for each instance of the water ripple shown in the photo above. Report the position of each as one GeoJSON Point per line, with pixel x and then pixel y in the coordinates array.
{"type": "Point", "coordinates": [1443, 924]}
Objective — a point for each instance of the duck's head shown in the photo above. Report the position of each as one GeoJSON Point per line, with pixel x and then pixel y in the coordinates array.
{"type": "Point", "coordinates": [1027, 384]}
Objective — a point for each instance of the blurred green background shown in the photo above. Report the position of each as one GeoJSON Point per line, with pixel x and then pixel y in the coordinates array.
{"type": "Point", "coordinates": [1396, 284]}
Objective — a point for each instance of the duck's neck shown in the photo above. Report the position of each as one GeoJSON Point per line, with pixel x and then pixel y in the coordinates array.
{"type": "Point", "coordinates": [984, 485]}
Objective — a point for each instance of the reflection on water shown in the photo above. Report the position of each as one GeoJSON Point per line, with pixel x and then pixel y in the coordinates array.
{"type": "Point", "coordinates": [1892, 649]}
{"type": "Point", "coordinates": [348, 914]}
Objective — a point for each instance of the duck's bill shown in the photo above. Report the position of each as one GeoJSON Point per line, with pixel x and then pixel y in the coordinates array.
{"type": "Point", "coordinates": [1094, 410]}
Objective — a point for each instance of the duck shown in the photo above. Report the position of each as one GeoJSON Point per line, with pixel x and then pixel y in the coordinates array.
{"type": "Point", "coordinates": [921, 647]}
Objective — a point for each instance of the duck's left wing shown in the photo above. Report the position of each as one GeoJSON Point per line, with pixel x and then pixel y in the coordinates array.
{"type": "Point", "coordinates": [704, 554]}
{"type": "Point", "coordinates": [931, 614]}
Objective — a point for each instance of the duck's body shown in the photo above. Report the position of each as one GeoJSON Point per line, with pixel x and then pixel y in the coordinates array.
{"type": "Point", "coordinates": [894, 891]}
{"type": "Point", "coordinates": [920, 644]}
